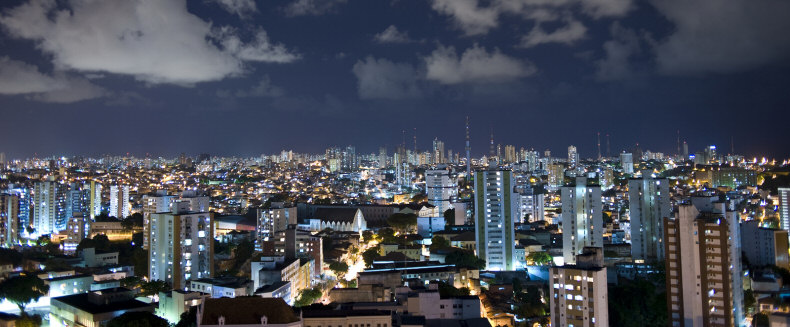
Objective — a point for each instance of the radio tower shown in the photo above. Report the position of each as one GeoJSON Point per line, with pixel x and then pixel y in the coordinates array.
{"type": "Point", "coordinates": [678, 143]}
{"type": "Point", "coordinates": [492, 151]}
{"type": "Point", "coordinates": [599, 145]}
{"type": "Point", "coordinates": [468, 152]}
{"type": "Point", "coordinates": [415, 141]}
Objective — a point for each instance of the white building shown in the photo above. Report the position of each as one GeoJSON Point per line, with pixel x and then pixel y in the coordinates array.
{"type": "Point", "coordinates": [784, 208]}
{"type": "Point", "coordinates": [627, 162]}
{"type": "Point", "coordinates": [578, 292]}
{"type": "Point", "coordinates": [495, 205]}
{"type": "Point", "coordinates": [649, 202]}
{"type": "Point", "coordinates": [582, 219]}
{"type": "Point", "coordinates": [119, 201]}
{"type": "Point", "coordinates": [181, 246]}
{"type": "Point", "coordinates": [430, 305]}
{"type": "Point", "coordinates": [49, 207]}
{"type": "Point", "coordinates": [573, 156]}
{"type": "Point", "coordinates": [530, 205]}
{"type": "Point", "coordinates": [440, 188]}
{"type": "Point", "coordinates": [273, 220]}
{"type": "Point", "coordinates": [162, 202]}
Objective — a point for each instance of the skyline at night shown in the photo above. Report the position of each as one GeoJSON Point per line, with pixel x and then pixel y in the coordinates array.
{"type": "Point", "coordinates": [242, 78]}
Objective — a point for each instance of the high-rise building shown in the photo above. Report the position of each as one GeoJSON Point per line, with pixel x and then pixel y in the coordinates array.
{"type": "Point", "coordinates": [438, 152]}
{"type": "Point", "coordinates": [441, 187]}
{"type": "Point", "coordinates": [95, 199]}
{"type": "Point", "coordinates": [119, 201]}
{"type": "Point", "coordinates": [349, 161]}
{"type": "Point", "coordinates": [627, 162]}
{"type": "Point", "coordinates": [530, 204]}
{"type": "Point", "coordinates": [382, 157]}
{"type": "Point", "coordinates": [15, 211]}
{"type": "Point", "coordinates": [556, 175]}
{"type": "Point", "coordinates": [784, 208]}
{"type": "Point", "coordinates": [294, 243]}
{"type": "Point", "coordinates": [573, 156]}
{"type": "Point", "coordinates": [162, 202]}
{"type": "Point", "coordinates": [510, 154]}
{"type": "Point", "coordinates": [764, 246]}
{"type": "Point", "coordinates": [272, 220]}
{"type": "Point", "coordinates": [578, 292]}
{"type": "Point", "coordinates": [495, 202]}
{"type": "Point", "coordinates": [582, 218]}
{"type": "Point", "coordinates": [181, 245]}
{"type": "Point", "coordinates": [9, 219]}
{"type": "Point", "coordinates": [49, 207]}
{"type": "Point", "coordinates": [77, 229]}
{"type": "Point", "coordinates": [703, 265]}
{"type": "Point", "coordinates": [649, 203]}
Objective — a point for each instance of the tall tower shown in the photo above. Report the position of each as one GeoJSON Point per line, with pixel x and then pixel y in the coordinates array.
{"type": "Point", "coordinates": [495, 203]}
{"type": "Point", "coordinates": [492, 149]}
{"type": "Point", "coordinates": [608, 149]}
{"type": "Point", "coordinates": [582, 220]}
{"type": "Point", "coordinates": [649, 202]}
{"type": "Point", "coordinates": [703, 266]}
{"type": "Point", "coordinates": [468, 152]}
{"type": "Point", "coordinates": [599, 145]}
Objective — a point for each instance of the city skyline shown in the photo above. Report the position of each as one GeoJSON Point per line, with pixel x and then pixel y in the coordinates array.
{"type": "Point", "coordinates": [253, 77]}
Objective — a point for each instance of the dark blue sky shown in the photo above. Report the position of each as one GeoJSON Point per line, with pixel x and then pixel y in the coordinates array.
{"type": "Point", "coordinates": [243, 77]}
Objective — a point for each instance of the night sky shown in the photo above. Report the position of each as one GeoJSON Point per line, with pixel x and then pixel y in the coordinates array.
{"type": "Point", "coordinates": [244, 77]}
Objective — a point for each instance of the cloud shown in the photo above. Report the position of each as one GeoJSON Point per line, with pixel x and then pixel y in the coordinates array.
{"type": "Point", "coordinates": [261, 49]}
{"type": "Point", "coordinates": [312, 7]}
{"type": "Point", "coordinates": [154, 41]}
{"type": "Point", "coordinates": [384, 79]}
{"type": "Point", "coordinates": [264, 88]}
{"type": "Point", "coordinates": [242, 8]}
{"type": "Point", "coordinates": [710, 37]}
{"type": "Point", "coordinates": [19, 78]}
{"type": "Point", "coordinates": [475, 65]}
{"type": "Point", "coordinates": [392, 35]}
{"type": "Point", "coordinates": [616, 64]}
{"type": "Point", "coordinates": [475, 19]}
{"type": "Point", "coordinates": [468, 15]}
{"type": "Point", "coordinates": [567, 34]}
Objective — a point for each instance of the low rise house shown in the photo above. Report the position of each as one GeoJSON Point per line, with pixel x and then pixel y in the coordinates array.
{"type": "Point", "coordinates": [94, 309]}
{"type": "Point", "coordinates": [246, 311]}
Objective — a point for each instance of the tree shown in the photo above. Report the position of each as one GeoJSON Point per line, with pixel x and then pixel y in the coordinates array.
{"type": "Point", "coordinates": [188, 318]}
{"type": "Point", "coordinates": [308, 297]}
{"type": "Point", "coordinates": [449, 217]}
{"type": "Point", "coordinates": [402, 221]}
{"type": "Point", "coordinates": [649, 310]}
{"type": "Point", "coordinates": [22, 290]}
{"type": "Point", "coordinates": [465, 259]}
{"type": "Point", "coordinates": [446, 290]}
{"type": "Point", "coordinates": [153, 287]}
{"type": "Point", "coordinates": [368, 235]}
{"type": "Point", "coordinates": [339, 268]}
{"type": "Point", "coordinates": [28, 321]}
{"type": "Point", "coordinates": [540, 258]}
{"type": "Point", "coordinates": [369, 255]}
{"type": "Point", "coordinates": [138, 319]}
{"type": "Point", "coordinates": [438, 242]}
{"type": "Point", "coordinates": [131, 282]}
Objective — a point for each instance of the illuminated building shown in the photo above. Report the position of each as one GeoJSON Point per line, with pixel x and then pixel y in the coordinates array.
{"type": "Point", "coordinates": [577, 293]}
{"type": "Point", "coordinates": [49, 209]}
{"type": "Point", "coordinates": [119, 201]}
{"type": "Point", "coordinates": [573, 156]}
{"type": "Point", "coordinates": [703, 265]}
{"type": "Point", "coordinates": [495, 202]}
{"type": "Point", "coordinates": [649, 204]}
{"type": "Point", "coordinates": [440, 187]}
{"type": "Point", "coordinates": [627, 163]}
{"type": "Point", "coordinates": [181, 245]}
{"type": "Point", "coordinates": [784, 208]}
{"type": "Point", "coordinates": [582, 220]}
{"type": "Point", "coordinates": [271, 220]}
